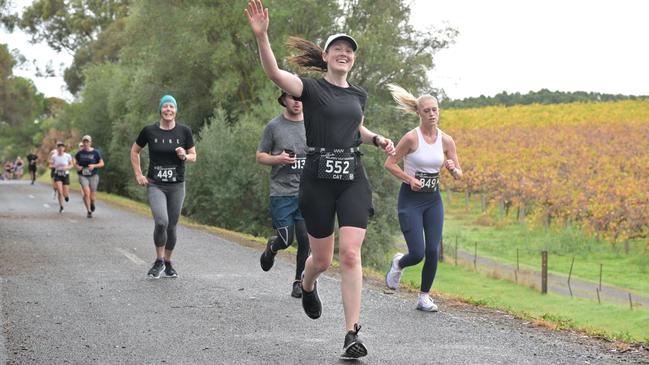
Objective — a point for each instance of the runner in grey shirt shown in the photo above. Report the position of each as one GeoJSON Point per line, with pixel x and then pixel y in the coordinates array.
{"type": "Point", "coordinates": [283, 147]}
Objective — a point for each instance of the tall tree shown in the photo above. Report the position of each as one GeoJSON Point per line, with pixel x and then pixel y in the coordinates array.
{"type": "Point", "coordinates": [20, 105]}
{"type": "Point", "coordinates": [88, 29]}
{"type": "Point", "coordinates": [69, 25]}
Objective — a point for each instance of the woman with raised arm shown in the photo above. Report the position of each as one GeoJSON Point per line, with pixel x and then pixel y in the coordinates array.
{"type": "Point", "coordinates": [425, 150]}
{"type": "Point", "coordinates": [333, 182]}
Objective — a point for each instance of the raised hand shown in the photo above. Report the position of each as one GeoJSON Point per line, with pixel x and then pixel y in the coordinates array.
{"type": "Point", "coordinates": [257, 17]}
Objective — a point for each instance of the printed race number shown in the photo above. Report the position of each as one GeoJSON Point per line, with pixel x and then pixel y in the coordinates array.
{"type": "Point", "coordinates": [430, 181]}
{"type": "Point", "coordinates": [165, 174]}
{"type": "Point", "coordinates": [298, 166]}
{"type": "Point", "coordinates": [337, 166]}
{"type": "Point", "coordinates": [86, 171]}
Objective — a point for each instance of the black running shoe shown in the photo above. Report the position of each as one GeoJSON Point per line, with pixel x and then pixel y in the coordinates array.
{"type": "Point", "coordinates": [67, 198]}
{"type": "Point", "coordinates": [169, 271]}
{"type": "Point", "coordinates": [267, 258]}
{"type": "Point", "coordinates": [92, 206]}
{"type": "Point", "coordinates": [297, 290]}
{"type": "Point", "coordinates": [89, 215]}
{"type": "Point", "coordinates": [60, 209]}
{"type": "Point", "coordinates": [353, 347]}
{"type": "Point", "coordinates": [311, 302]}
{"type": "Point", "coordinates": [157, 269]}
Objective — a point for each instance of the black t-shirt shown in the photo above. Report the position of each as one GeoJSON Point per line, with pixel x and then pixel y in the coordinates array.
{"type": "Point", "coordinates": [332, 114]}
{"type": "Point", "coordinates": [32, 159]}
{"type": "Point", "coordinates": [85, 158]}
{"type": "Point", "coordinates": [164, 164]}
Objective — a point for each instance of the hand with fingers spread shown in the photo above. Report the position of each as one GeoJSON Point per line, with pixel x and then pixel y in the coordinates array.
{"type": "Point", "coordinates": [257, 17]}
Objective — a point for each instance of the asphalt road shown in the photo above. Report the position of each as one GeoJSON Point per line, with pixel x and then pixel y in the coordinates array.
{"type": "Point", "coordinates": [73, 291]}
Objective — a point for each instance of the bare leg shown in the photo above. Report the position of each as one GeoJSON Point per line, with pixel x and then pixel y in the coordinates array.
{"type": "Point", "coordinates": [86, 197]}
{"type": "Point", "coordinates": [351, 240]}
{"type": "Point", "coordinates": [322, 252]}
{"type": "Point", "coordinates": [58, 186]}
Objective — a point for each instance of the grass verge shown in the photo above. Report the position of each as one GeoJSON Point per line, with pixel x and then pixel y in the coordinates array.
{"type": "Point", "coordinates": [502, 239]}
{"type": "Point", "coordinates": [610, 321]}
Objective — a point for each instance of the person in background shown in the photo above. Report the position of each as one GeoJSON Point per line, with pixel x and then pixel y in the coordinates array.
{"type": "Point", "coordinates": [88, 161]}
{"type": "Point", "coordinates": [61, 162]}
{"type": "Point", "coordinates": [31, 165]}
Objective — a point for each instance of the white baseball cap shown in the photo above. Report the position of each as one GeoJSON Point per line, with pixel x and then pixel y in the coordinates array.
{"type": "Point", "coordinates": [344, 36]}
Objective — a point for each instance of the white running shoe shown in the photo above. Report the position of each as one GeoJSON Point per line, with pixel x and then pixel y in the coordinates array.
{"type": "Point", "coordinates": [426, 304]}
{"type": "Point", "coordinates": [393, 276]}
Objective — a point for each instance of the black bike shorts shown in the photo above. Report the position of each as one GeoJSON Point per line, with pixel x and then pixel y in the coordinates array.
{"type": "Point", "coordinates": [322, 200]}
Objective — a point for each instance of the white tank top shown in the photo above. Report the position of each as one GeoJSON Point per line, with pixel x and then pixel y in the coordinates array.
{"type": "Point", "coordinates": [427, 158]}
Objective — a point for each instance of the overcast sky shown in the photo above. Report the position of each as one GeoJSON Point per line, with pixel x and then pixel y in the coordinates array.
{"type": "Point", "coordinates": [504, 45]}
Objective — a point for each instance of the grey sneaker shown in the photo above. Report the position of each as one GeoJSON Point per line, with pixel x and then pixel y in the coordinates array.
{"type": "Point", "coordinates": [156, 270]}
{"type": "Point", "coordinates": [426, 304]}
{"type": "Point", "coordinates": [393, 276]}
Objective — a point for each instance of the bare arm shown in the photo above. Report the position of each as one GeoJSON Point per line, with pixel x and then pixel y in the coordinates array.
{"type": "Point", "coordinates": [367, 136]}
{"type": "Point", "coordinates": [191, 154]}
{"type": "Point", "coordinates": [452, 163]}
{"type": "Point", "coordinates": [135, 163]}
{"type": "Point", "coordinates": [283, 158]}
{"type": "Point", "coordinates": [404, 147]}
{"type": "Point", "coordinates": [258, 19]}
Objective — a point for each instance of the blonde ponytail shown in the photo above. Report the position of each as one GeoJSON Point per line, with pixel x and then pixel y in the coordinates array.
{"type": "Point", "coordinates": [407, 102]}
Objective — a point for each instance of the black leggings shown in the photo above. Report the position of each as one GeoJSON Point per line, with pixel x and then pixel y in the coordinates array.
{"type": "Point", "coordinates": [285, 239]}
{"type": "Point", "coordinates": [421, 217]}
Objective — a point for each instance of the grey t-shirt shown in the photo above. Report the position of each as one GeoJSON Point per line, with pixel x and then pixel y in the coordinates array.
{"type": "Point", "coordinates": [282, 134]}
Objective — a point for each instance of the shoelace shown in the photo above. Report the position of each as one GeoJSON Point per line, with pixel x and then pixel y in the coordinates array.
{"type": "Point", "coordinates": [428, 301]}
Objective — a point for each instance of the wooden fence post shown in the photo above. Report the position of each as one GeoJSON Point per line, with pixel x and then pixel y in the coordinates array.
{"type": "Point", "coordinates": [456, 250]}
{"type": "Point", "coordinates": [570, 275]}
{"type": "Point", "coordinates": [544, 272]}
{"type": "Point", "coordinates": [600, 276]}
